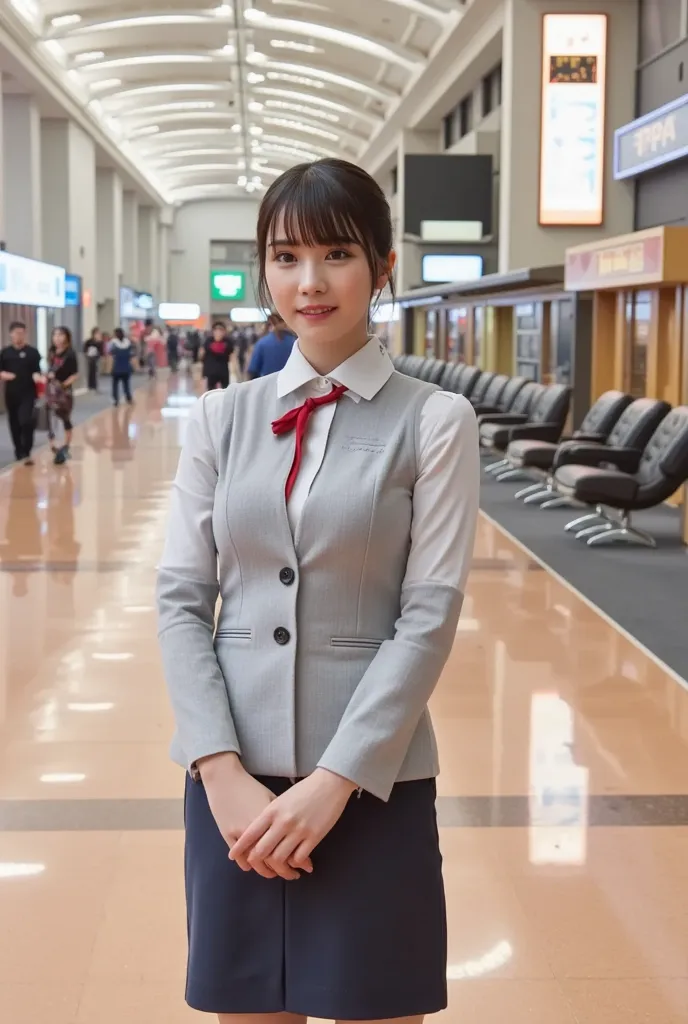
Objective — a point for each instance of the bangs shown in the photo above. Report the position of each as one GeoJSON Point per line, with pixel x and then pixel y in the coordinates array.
{"type": "Point", "coordinates": [315, 210]}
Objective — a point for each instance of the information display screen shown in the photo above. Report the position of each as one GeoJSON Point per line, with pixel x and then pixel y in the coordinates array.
{"type": "Point", "coordinates": [572, 143]}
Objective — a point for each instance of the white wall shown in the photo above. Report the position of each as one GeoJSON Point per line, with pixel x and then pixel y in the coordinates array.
{"type": "Point", "coordinates": [196, 225]}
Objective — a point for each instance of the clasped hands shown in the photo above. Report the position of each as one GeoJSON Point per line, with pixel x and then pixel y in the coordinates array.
{"type": "Point", "coordinates": [273, 836]}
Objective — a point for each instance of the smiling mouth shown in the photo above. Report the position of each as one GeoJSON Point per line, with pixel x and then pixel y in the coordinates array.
{"type": "Point", "coordinates": [317, 310]}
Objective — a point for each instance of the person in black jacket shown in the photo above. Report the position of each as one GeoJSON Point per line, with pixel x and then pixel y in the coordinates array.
{"type": "Point", "coordinates": [62, 373]}
{"type": "Point", "coordinates": [217, 353]}
{"type": "Point", "coordinates": [20, 369]}
{"type": "Point", "coordinates": [93, 350]}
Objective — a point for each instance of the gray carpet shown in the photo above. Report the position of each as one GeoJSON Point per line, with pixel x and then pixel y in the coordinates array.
{"type": "Point", "coordinates": [645, 591]}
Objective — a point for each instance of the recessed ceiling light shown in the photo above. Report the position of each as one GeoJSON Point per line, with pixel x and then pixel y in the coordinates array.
{"type": "Point", "coordinates": [255, 57]}
{"type": "Point", "coordinates": [223, 11]}
{"type": "Point", "coordinates": [87, 58]}
{"type": "Point", "coordinates": [291, 44]}
{"type": "Point", "coordinates": [255, 129]}
{"type": "Point", "coordinates": [236, 128]}
{"type": "Point", "coordinates": [312, 83]}
{"type": "Point", "coordinates": [62, 20]}
{"type": "Point", "coordinates": [255, 106]}
{"type": "Point", "coordinates": [253, 14]}
{"type": "Point", "coordinates": [253, 78]}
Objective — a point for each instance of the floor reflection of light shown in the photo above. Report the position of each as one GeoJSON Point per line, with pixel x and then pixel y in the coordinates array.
{"type": "Point", "coordinates": [181, 400]}
{"type": "Point", "coordinates": [89, 706]}
{"type": "Point", "coordinates": [9, 870]}
{"type": "Point", "coordinates": [174, 414]}
{"type": "Point", "coordinates": [485, 964]}
{"type": "Point", "coordinates": [468, 626]}
{"type": "Point", "coordinates": [112, 655]}
{"type": "Point", "coordinates": [558, 793]}
{"type": "Point", "coordinates": [62, 778]}
{"type": "Point", "coordinates": [138, 609]}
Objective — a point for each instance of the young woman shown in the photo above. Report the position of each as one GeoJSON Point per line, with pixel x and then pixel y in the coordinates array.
{"type": "Point", "coordinates": [332, 506]}
{"type": "Point", "coordinates": [63, 371]}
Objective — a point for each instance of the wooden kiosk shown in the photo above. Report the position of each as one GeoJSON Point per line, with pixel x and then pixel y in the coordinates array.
{"type": "Point", "coordinates": [640, 314]}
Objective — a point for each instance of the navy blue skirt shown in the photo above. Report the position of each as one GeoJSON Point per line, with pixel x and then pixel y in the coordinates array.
{"type": "Point", "coordinates": [362, 938]}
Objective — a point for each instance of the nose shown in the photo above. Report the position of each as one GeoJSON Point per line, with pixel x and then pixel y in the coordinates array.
{"type": "Point", "coordinates": [311, 280]}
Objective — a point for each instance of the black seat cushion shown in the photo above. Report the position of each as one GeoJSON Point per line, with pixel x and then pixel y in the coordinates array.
{"type": "Point", "coordinates": [532, 454]}
{"type": "Point", "coordinates": [492, 435]}
{"type": "Point", "coordinates": [597, 486]}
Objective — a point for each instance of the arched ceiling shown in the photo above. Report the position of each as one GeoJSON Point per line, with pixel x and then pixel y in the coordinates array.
{"type": "Point", "coordinates": [212, 98]}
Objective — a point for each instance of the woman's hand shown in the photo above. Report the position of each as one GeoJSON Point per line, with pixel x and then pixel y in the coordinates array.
{"type": "Point", "coordinates": [285, 833]}
{"type": "Point", "coordinates": [234, 796]}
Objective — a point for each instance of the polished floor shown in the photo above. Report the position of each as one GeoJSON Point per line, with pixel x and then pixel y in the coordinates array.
{"type": "Point", "coordinates": [563, 796]}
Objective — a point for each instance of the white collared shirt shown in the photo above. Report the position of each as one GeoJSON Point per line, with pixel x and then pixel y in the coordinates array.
{"type": "Point", "coordinates": [445, 498]}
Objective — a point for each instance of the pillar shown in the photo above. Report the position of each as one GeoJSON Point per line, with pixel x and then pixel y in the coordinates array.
{"type": "Point", "coordinates": [148, 249]}
{"type": "Point", "coordinates": [523, 242]}
{"type": "Point", "coordinates": [2, 178]}
{"type": "Point", "coordinates": [409, 255]}
{"type": "Point", "coordinates": [164, 239]}
{"type": "Point", "coordinates": [130, 229]}
{"type": "Point", "coordinates": [109, 227]}
{"type": "Point", "coordinates": [68, 183]}
{"type": "Point", "coordinates": [21, 159]}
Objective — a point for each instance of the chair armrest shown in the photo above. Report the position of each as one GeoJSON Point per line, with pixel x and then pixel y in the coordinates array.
{"type": "Point", "coordinates": [625, 459]}
{"type": "Point", "coordinates": [481, 409]}
{"type": "Point", "coordinates": [536, 432]}
{"type": "Point", "coordinates": [506, 419]}
{"type": "Point", "coordinates": [586, 438]}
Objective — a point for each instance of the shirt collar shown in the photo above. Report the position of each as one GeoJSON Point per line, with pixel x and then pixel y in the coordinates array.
{"type": "Point", "coordinates": [364, 373]}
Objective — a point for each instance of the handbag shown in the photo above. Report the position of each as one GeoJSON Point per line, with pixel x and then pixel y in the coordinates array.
{"type": "Point", "coordinates": [42, 417]}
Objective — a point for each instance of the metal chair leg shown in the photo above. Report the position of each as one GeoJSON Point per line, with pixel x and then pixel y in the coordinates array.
{"type": "Point", "coordinates": [557, 502]}
{"type": "Point", "coordinates": [530, 489]}
{"type": "Point", "coordinates": [588, 518]}
{"type": "Point", "coordinates": [510, 474]}
{"type": "Point", "coordinates": [590, 531]}
{"type": "Point", "coordinates": [494, 467]}
{"type": "Point", "coordinates": [625, 531]}
{"type": "Point", "coordinates": [541, 495]}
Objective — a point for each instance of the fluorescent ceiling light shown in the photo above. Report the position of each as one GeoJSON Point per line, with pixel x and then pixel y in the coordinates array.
{"type": "Point", "coordinates": [299, 154]}
{"type": "Point", "coordinates": [152, 58]}
{"type": "Point", "coordinates": [350, 40]}
{"type": "Point", "coordinates": [301, 97]}
{"type": "Point", "coordinates": [298, 108]}
{"type": "Point", "coordinates": [174, 172]}
{"type": "Point", "coordinates": [144, 21]}
{"type": "Point", "coordinates": [88, 57]}
{"type": "Point", "coordinates": [301, 126]}
{"type": "Point", "coordinates": [310, 4]}
{"type": "Point", "coordinates": [145, 90]}
{"type": "Point", "coordinates": [62, 20]}
{"type": "Point", "coordinates": [161, 108]}
{"type": "Point", "coordinates": [291, 44]}
{"type": "Point", "coordinates": [149, 129]}
{"type": "Point", "coordinates": [185, 154]}
{"type": "Point", "coordinates": [312, 83]}
{"type": "Point", "coordinates": [327, 76]}
{"type": "Point", "coordinates": [105, 83]}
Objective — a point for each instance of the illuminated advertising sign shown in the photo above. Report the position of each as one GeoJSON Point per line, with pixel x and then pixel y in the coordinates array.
{"type": "Point", "coordinates": [227, 285]}
{"type": "Point", "coordinates": [25, 282]}
{"type": "Point", "coordinates": [179, 312]}
{"type": "Point", "coordinates": [652, 140]}
{"type": "Point", "coordinates": [72, 290]}
{"type": "Point", "coordinates": [574, 56]}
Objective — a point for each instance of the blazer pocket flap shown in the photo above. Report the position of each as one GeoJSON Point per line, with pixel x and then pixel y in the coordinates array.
{"type": "Point", "coordinates": [362, 642]}
{"type": "Point", "coordinates": [234, 634]}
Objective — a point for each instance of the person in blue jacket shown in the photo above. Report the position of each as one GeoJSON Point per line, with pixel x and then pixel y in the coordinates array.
{"type": "Point", "coordinates": [122, 351]}
{"type": "Point", "coordinates": [271, 352]}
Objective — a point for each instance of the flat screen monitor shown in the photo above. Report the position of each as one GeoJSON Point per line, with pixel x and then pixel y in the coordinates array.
{"type": "Point", "coordinates": [440, 268]}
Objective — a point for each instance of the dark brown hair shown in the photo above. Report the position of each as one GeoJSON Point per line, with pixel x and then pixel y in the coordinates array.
{"type": "Point", "coordinates": [323, 203]}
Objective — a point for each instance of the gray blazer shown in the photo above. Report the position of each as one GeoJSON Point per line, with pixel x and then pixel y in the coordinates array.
{"type": "Point", "coordinates": [320, 655]}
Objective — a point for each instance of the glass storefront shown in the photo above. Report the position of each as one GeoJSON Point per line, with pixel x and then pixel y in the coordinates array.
{"type": "Point", "coordinates": [457, 334]}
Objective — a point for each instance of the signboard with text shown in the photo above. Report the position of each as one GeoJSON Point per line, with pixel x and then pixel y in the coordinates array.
{"type": "Point", "coordinates": [572, 145]}
{"type": "Point", "coordinates": [25, 282]}
{"type": "Point", "coordinates": [635, 260]}
{"type": "Point", "coordinates": [652, 140]}
{"type": "Point", "coordinates": [227, 285]}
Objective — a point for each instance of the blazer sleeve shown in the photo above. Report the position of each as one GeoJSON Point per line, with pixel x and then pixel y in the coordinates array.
{"type": "Point", "coordinates": [187, 593]}
{"type": "Point", "coordinates": [378, 724]}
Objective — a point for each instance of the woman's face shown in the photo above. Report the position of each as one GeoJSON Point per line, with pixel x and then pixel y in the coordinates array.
{"type": "Point", "coordinates": [322, 292]}
{"type": "Point", "coordinates": [59, 340]}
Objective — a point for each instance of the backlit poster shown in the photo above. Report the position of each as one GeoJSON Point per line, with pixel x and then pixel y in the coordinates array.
{"type": "Point", "coordinates": [574, 51]}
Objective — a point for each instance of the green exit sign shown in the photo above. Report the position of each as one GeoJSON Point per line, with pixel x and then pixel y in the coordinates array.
{"type": "Point", "coordinates": [227, 285]}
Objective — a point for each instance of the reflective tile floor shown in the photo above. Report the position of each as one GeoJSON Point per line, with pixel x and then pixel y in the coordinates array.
{"type": "Point", "coordinates": [563, 796]}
